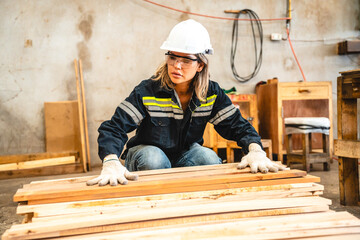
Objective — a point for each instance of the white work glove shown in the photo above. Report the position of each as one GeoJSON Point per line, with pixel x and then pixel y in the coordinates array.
{"type": "Point", "coordinates": [113, 171]}
{"type": "Point", "coordinates": [257, 160]}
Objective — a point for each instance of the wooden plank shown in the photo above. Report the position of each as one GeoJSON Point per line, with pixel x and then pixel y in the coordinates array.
{"type": "Point", "coordinates": [8, 166]}
{"type": "Point", "coordinates": [81, 118]}
{"type": "Point", "coordinates": [144, 177]}
{"type": "Point", "coordinates": [162, 190]}
{"type": "Point", "coordinates": [42, 171]}
{"type": "Point", "coordinates": [4, 159]}
{"type": "Point", "coordinates": [148, 175]}
{"type": "Point", "coordinates": [62, 131]}
{"type": "Point", "coordinates": [193, 219]}
{"type": "Point", "coordinates": [50, 229]}
{"type": "Point", "coordinates": [347, 148]}
{"type": "Point", "coordinates": [280, 227]}
{"type": "Point", "coordinates": [171, 173]}
{"type": "Point", "coordinates": [38, 163]}
{"type": "Point", "coordinates": [223, 195]}
{"type": "Point", "coordinates": [88, 163]}
{"type": "Point", "coordinates": [343, 233]}
{"type": "Point", "coordinates": [323, 221]}
{"type": "Point", "coordinates": [77, 189]}
{"type": "Point", "coordinates": [162, 204]}
{"type": "Point", "coordinates": [350, 72]}
{"type": "Point", "coordinates": [161, 174]}
{"type": "Point", "coordinates": [68, 207]}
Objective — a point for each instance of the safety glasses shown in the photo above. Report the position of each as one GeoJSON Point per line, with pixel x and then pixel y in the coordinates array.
{"type": "Point", "coordinates": [185, 62]}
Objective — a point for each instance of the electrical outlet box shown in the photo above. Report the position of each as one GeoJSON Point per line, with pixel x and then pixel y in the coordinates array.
{"type": "Point", "coordinates": [276, 36]}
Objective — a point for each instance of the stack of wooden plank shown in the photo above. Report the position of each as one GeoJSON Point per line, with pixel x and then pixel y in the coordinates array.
{"type": "Point", "coordinates": [202, 202]}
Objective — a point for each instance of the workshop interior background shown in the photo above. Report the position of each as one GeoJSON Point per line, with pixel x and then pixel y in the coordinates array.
{"type": "Point", "coordinates": [119, 44]}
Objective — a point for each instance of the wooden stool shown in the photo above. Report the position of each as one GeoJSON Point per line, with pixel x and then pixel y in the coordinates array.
{"type": "Point", "coordinates": [305, 127]}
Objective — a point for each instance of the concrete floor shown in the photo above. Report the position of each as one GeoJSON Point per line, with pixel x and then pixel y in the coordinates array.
{"type": "Point", "coordinates": [9, 187]}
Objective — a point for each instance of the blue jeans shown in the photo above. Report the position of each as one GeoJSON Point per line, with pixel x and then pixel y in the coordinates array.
{"type": "Point", "coordinates": [147, 157]}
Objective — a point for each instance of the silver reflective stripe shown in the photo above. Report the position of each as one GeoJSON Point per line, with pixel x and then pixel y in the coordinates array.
{"type": "Point", "coordinates": [203, 109]}
{"type": "Point", "coordinates": [201, 114]}
{"type": "Point", "coordinates": [164, 109]}
{"type": "Point", "coordinates": [132, 111]}
{"type": "Point", "coordinates": [223, 114]}
{"type": "Point", "coordinates": [208, 104]}
{"type": "Point", "coordinates": [164, 114]}
{"type": "Point", "coordinates": [211, 99]}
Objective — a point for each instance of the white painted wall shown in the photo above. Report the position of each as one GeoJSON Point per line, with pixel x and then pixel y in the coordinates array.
{"type": "Point", "coordinates": [119, 40]}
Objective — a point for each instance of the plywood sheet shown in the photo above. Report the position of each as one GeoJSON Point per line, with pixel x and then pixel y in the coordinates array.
{"type": "Point", "coordinates": [62, 130]}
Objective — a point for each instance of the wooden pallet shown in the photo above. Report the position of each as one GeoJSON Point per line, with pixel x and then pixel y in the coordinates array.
{"type": "Point", "coordinates": [202, 202]}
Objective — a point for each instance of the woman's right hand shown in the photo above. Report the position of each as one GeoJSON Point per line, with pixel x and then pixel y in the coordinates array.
{"type": "Point", "coordinates": [112, 172]}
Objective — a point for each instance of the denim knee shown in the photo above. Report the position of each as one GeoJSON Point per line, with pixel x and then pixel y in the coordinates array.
{"type": "Point", "coordinates": [146, 157]}
{"type": "Point", "coordinates": [198, 155]}
{"type": "Point", "coordinates": [205, 156]}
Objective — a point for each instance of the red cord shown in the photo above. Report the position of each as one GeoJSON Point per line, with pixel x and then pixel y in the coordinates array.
{"type": "Point", "coordinates": [292, 49]}
{"type": "Point", "coordinates": [239, 19]}
{"type": "Point", "coordinates": [208, 16]}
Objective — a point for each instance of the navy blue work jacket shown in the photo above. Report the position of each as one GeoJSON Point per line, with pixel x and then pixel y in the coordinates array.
{"type": "Point", "coordinates": [159, 120]}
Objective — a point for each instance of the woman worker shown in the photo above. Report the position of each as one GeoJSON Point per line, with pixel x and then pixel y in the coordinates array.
{"type": "Point", "coordinates": [170, 111]}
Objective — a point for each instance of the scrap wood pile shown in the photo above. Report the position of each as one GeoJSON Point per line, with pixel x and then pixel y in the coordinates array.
{"type": "Point", "coordinates": [202, 202]}
{"type": "Point", "coordinates": [66, 140]}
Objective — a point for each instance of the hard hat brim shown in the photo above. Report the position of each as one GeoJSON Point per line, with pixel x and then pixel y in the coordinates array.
{"type": "Point", "coordinates": [180, 50]}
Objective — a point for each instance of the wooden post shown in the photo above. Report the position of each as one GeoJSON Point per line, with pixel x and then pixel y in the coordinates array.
{"type": "Point", "coordinates": [81, 118]}
{"type": "Point", "coordinates": [347, 130]}
{"type": "Point", "coordinates": [88, 162]}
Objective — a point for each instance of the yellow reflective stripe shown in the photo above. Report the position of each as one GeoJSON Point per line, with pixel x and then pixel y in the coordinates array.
{"type": "Point", "coordinates": [208, 103]}
{"type": "Point", "coordinates": [211, 97]}
{"type": "Point", "coordinates": [161, 105]}
{"type": "Point", "coordinates": [157, 99]}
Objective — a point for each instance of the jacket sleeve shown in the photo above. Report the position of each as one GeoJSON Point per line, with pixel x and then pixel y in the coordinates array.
{"type": "Point", "coordinates": [230, 124]}
{"type": "Point", "coordinates": [127, 117]}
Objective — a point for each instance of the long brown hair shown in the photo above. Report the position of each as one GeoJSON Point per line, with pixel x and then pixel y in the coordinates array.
{"type": "Point", "coordinates": [200, 82]}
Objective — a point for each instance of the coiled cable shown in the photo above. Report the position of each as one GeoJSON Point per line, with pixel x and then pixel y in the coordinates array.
{"type": "Point", "coordinates": [258, 51]}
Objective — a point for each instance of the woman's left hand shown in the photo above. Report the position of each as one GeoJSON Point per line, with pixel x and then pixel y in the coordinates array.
{"type": "Point", "coordinates": [257, 160]}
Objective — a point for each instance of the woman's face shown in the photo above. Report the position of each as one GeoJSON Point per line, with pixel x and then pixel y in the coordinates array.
{"type": "Point", "coordinates": [182, 67]}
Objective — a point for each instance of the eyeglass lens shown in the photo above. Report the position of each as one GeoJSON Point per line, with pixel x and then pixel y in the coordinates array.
{"type": "Point", "coordinates": [184, 61]}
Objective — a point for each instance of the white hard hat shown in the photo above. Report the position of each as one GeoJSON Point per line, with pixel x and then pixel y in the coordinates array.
{"type": "Point", "coordinates": [188, 37]}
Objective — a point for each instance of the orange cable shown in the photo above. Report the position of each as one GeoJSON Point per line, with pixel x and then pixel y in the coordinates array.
{"type": "Point", "coordinates": [292, 49]}
{"type": "Point", "coordinates": [208, 16]}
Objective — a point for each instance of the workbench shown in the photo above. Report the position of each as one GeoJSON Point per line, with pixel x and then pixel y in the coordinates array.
{"type": "Point", "coordinates": [347, 146]}
{"type": "Point", "coordinates": [280, 100]}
